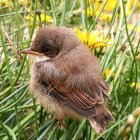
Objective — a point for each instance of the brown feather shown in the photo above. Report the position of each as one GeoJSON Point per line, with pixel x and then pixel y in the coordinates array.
{"type": "Point", "coordinates": [70, 84]}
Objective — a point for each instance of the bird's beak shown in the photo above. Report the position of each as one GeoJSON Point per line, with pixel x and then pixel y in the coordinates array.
{"type": "Point", "coordinates": [29, 51]}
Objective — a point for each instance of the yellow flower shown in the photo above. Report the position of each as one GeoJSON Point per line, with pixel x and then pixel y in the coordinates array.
{"type": "Point", "coordinates": [39, 18]}
{"type": "Point", "coordinates": [43, 17]}
{"type": "Point", "coordinates": [133, 84]}
{"type": "Point", "coordinates": [110, 5]}
{"type": "Point", "coordinates": [131, 3]}
{"type": "Point", "coordinates": [92, 39]}
{"type": "Point", "coordinates": [107, 73]}
{"type": "Point", "coordinates": [106, 15]}
{"type": "Point", "coordinates": [4, 3]}
{"type": "Point", "coordinates": [29, 17]}
{"type": "Point", "coordinates": [89, 12]}
{"type": "Point", "coordinates": [24, 2]}
{"type": "Point", "coordinates": [131, 26]}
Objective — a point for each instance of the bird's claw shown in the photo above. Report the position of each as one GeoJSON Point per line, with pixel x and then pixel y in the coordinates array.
{"type": "Point", "coordinates": [59, 123]}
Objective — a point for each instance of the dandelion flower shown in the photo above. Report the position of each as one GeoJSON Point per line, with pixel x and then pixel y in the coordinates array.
{"type": "Point", "coordinates": [40, 18]}
{"type": "Point", "coordinates": [92, 39]}
{"type": "Point", "coordinates": [135, 84]}
{"type": "Point", "coordinates": [107, 73]}
{"type": "Point", "coordinates": [43, 17]}
{"type": "Point", "coordinates": [4, 3]}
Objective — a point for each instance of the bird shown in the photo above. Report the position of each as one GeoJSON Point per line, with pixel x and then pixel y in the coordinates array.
{"type": "Point", "coordinates": [66, 78]}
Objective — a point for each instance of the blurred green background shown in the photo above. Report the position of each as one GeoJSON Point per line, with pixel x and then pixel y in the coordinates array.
{"type": "Point", "coordinates": [111, 30]}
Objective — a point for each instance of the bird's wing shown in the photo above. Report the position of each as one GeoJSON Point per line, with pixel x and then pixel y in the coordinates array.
{"type": "Point", "coordinates": [80, 86]}
{"type": "Point", "coordinates": [79, 101]}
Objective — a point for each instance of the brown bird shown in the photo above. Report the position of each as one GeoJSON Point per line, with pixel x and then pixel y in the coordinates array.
{"type": "Point", "coordinates": [66, 77]}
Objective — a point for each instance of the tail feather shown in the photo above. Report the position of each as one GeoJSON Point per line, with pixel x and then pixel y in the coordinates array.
{"type": "Point", "coordinates": [101, 120]}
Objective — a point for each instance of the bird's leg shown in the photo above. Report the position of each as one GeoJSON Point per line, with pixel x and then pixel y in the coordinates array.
{"type": "Point", "coordinates": [59, 122]}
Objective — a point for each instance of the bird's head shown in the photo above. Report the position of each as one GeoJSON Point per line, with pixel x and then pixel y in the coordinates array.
{"type": "Point", "coordinates": [48, 42]}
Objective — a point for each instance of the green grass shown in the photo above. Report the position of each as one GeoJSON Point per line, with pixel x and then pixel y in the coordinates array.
{"type": "Point", "coordinates": [21, 117]}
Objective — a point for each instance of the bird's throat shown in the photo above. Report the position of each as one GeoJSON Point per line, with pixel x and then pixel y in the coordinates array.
{"type": "Point", "coordinates": [36, 59]}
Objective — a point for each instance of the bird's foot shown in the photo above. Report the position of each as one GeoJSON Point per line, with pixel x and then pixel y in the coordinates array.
{"type": "Point", "coordinates": [59, 123]}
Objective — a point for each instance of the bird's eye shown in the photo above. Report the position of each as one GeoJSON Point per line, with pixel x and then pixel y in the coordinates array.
{"type": "Point", "coordinates": [44, 49]}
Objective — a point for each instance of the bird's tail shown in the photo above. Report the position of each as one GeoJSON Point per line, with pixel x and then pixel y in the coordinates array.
{"type": "Point", "coordinates": [101, 120]}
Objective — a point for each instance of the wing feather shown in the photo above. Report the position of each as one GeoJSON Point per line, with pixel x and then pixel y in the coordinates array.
{"type": "Point", "coordinates": [79, 83]}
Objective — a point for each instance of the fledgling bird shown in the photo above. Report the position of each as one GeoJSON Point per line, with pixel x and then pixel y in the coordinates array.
{"type": "Point", "coordinates": [66, 79]}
